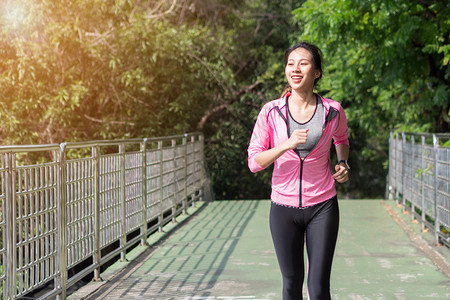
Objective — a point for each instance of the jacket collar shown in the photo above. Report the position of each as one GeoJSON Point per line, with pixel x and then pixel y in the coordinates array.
{"type": "Point", "coordinates": [326, 102]}
{"type": "Point", "coordinates": [330, 111]}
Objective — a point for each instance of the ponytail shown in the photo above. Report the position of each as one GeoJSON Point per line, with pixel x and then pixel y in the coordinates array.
{"type": "Point", "coordinates": [287, 89]}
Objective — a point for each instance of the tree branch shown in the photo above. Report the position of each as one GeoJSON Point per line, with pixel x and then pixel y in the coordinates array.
{"type": "Point", "coordinates": [250, 58]}
{"type": "Point", "coordinates": [109, 122]}
{"type": "Point", "coordinates": [210, 112]}
{"type": "Point", "coordinates": [444, 114]}
{"type": "Point", "coordinates": [151, 15]}
{"type": "Point", "coordinates": [225, 88]}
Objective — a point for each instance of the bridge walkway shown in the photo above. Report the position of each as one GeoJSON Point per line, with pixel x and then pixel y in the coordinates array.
{"type": "Point", "coordinates": [224, 251]}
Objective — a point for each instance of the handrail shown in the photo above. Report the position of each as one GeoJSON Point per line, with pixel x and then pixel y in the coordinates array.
{"type": "Point", "coordinates": [28, 148]}
{"type": "Point", "coordinates": [58, 215]}
{"type": "Point", "coordinates": [419, 179]}
{"type": "Point", "coordinates": [127, 141]}
{"type": "Point", "coordinates": [430, 135]}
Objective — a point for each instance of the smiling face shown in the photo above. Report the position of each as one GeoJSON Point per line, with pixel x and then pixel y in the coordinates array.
{"type": "Point", "coordinates": [300, 70]}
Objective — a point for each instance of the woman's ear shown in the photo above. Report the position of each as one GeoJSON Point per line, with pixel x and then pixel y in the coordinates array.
{"type": "Point", "coordinates": [317, 74]}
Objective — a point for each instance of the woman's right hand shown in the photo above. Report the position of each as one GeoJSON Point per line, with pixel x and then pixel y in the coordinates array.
{"type": "Point", "coordinates": [299, 136]}
{"type": "Point", "coordinates": [266, 158]}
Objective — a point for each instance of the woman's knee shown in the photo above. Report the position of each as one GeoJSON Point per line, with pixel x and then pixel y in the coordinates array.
{"type": "Point", "coordinates": [292, 287]}
{"type": "Point", "coordinates": [319, 290]}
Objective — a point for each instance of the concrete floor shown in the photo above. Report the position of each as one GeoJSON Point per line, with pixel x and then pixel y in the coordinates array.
{"type": "Point", "coordinates": [224, 251]}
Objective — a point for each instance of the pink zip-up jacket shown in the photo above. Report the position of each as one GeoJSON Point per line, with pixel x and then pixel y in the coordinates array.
{"type": "Point", "coordinates": [297, 182]}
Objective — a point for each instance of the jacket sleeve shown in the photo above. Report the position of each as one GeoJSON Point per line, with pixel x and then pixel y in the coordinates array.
{"type": "Point", "coordinates": [340, 136]}
{"type": "Point", "coordinates": [260, 140]}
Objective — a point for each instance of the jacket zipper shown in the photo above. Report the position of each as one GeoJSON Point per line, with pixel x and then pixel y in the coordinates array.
{"type": "Point", "coordinates": [298, 153]}
{"type": "Point", "coordinates": [302, 160]}
{"type": "Point", "coordinates": [301, 181]}
{"type": "Point", "coordinates": [328, 117]}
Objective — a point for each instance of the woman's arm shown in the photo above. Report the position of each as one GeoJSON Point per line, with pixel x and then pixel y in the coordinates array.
{"type": "Point", "coordinates": [341, 174]}
{"type": "Point", "coordinates": [342, 151]}
{"type": "Point", "coordinates": [341, 143]}
{"type": "Point", "coordinates": [266, 158]}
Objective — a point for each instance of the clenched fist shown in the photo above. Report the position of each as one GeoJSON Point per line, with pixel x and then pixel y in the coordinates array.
{"type": "Point", "coordinates": [341, 174]}
{"type": "Point", "coordinates": [299, 136]}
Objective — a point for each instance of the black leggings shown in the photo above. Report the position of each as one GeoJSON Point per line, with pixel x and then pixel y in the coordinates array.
{"type": "Point", "coordinates": [289, 226]}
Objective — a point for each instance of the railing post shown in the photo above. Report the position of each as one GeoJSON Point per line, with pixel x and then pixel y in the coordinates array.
{"type": "Point", "coordinates": [413, 205]}
{"type": "Point", "coordinates": [185, 196]}
{"type": "Point", "coordinates": [161, 185]}
{"type": "Point", "coordinates": [207, 193]}
{"type": "Point", "coordinates": [422, 182]}
{"type": "Point", "coordinates": [10, 263]}
{"type": "Point", "coordinates": [397, 166]}
{"type": "Point", "coordinates": [435, 188]}
{"type": "Point", "coordinates": [97, 250]}
{"type": "Point", "coordinates": [174, 148]}
{"type": "Point", "coordinates": [62, 221]}
{"type": "Point", "coordinates": [144, 227]}
{"type": "Point", "coordinates": [390, 168]}
{"type": "Point", "coordinates": [403, 172]}
{"type": "Point", "coordinates": [123, 238]}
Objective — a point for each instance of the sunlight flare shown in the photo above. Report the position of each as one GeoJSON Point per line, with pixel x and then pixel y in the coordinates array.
{"type": "Point", "coordinates": [15, 13]}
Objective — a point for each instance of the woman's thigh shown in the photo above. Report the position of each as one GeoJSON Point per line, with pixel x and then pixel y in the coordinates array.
{"type": "Point", "coordinates": [321, 237]}
{"type": "Point", "coordinates": [288, 239]}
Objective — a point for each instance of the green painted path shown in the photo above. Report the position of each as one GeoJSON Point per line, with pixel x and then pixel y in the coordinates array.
{"type": "Point", "coordinates": [224, 251]}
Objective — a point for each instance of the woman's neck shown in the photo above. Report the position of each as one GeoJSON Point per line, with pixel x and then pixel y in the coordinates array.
{"type": "Point", "coordinates": [302, 99]}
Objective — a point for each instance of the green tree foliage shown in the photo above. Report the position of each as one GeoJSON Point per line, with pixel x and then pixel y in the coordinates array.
{"type": "Point", "coordinates": [78, 70]}
{"type": "Point", "coordinates": [388, 63]}
{"type": "Point", "coordinates": [74, 70]}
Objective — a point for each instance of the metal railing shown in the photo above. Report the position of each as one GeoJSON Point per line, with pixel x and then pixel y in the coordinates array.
{"type": "Point", "coordinates": [81, 204]}
{"type": "Point", "coordinates": [419, 179]}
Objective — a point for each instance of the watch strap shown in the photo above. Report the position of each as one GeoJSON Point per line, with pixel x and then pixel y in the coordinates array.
{"type": "Point", "coordinates": [345, 162]}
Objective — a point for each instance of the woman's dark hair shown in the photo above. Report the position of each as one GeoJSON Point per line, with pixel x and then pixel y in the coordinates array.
{"type": "Point", "coordinates": [315, 52]}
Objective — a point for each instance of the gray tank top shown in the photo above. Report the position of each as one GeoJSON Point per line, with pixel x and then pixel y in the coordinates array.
{"type": "Point", "coordinates": [315, 129]}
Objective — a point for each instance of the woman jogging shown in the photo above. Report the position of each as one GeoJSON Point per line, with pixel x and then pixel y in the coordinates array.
{"type": "Point", "coordinates": [295, 133]}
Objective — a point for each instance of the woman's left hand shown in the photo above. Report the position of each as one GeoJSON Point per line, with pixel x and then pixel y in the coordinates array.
{"type": "Point", "coordinates": [341, 174]}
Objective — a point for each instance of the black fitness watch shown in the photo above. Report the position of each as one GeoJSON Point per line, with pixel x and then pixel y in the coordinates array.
{"type": "Point", "coordinates": [345, 162]}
